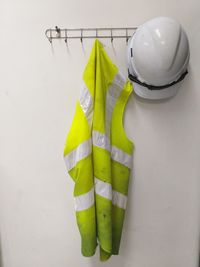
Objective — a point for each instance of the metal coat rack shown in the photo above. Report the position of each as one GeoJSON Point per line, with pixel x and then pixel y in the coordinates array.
{"type": "Point", "coordinates": [88, 33]}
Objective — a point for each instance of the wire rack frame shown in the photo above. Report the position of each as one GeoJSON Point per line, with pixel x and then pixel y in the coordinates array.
{"type": "Point", "coordinates": [82, 33]}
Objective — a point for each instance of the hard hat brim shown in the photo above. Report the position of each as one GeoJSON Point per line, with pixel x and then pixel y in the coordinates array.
{"type": "Point", "coordinates": [146, 93]}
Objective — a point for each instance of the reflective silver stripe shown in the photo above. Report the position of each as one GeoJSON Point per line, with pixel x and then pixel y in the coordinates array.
{"type": "Point", "coordinates": [113, 93]}
{"type": "Point", "coordinates": [84, 201]}
{"type": "Point", "coordinates": [77, 154]}
{"type": "Point", "coordinates": [121, 157]}
{"type": "Point", "coordinates": [119, 80]}
{"type": "Point", "coordinates": [119, 199]}
{"type": "Point", "coordinates": [86, 103]}
{"type": "Point", "coordinates": [100, 140]}
{"type": "Point", "coordinates": [103, 189]}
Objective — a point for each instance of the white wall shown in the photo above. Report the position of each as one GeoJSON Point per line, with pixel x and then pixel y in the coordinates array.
{"type": "Point", "coordinates": [39, 86]}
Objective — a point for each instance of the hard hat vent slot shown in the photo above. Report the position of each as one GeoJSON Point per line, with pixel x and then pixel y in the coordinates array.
{"type": "Point", "coordinates": [131, 52]}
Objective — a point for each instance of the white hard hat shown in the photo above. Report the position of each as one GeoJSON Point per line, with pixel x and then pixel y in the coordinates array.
{"type": "Point", "coordinates": [158, 56]}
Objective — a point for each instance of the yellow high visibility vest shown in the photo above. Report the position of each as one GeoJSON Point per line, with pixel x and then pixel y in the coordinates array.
{"type": "Point", "coordinates": [98, 155]}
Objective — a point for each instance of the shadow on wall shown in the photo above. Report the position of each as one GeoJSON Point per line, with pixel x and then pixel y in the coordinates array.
{"type": "Point", "coordinates": [116, 261]}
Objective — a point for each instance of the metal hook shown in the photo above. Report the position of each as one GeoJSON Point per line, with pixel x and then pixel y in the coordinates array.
{"type": "Point", "coordinates": [57, 31]}
{"type": "Point", "coordinates": [111, 35]}
{"type": "Point", "coordinates": [126, 36]}
{"type": "Point", "coordinates": [50, 38]}
{"type": "Point", "coordinates": [96, 33]}
{"type": "Point", "coordinates": [66, 36]}
{"type": "Point", "coordinates": [81, 35]}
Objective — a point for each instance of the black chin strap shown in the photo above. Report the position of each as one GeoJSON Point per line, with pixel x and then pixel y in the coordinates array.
{"type": "Point", "coordinates": [152, 87]}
